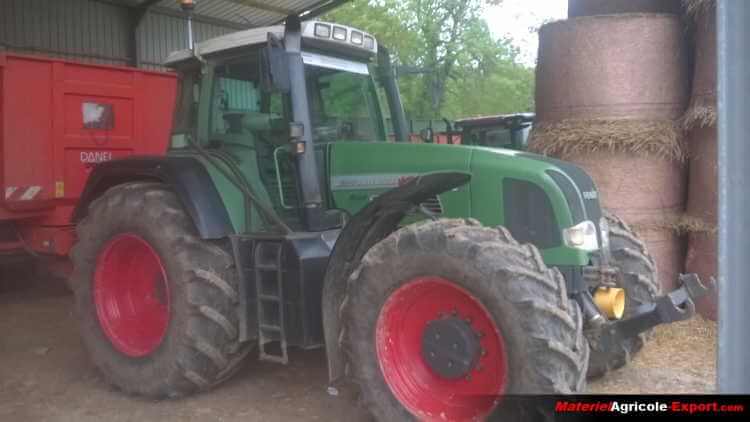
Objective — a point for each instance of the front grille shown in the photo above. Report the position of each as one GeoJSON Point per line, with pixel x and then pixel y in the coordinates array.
{"type": "Point", "coordinates": [529, 214]}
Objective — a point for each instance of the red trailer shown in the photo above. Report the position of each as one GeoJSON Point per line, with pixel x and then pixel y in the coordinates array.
{"type": "Point", "coordinates": [58, 119]}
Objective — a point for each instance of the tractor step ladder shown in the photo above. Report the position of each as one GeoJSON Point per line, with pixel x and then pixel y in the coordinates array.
{"type": "Point", "coordinates": [269, 281]}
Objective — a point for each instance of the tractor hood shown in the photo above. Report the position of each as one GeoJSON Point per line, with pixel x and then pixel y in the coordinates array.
{"type": "Point", "coordinates": [389, 164]}
{"type": "Point", "coordinates": [534, 196]}
{"type": "Point", "coordinates": [533, 189]}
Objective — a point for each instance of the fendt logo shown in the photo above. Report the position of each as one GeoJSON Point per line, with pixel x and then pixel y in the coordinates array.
{"type": "Point", "coordinates": [591, 194]}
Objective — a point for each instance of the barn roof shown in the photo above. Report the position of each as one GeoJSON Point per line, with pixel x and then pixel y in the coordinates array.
{"type": "Point", "coordinates": [242, 14]}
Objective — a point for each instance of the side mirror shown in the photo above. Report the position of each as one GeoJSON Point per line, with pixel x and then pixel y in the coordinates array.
{"type": "Point", "coordinates": [274, 67]}
{"type": "Point", "coordinates": [426, 135]}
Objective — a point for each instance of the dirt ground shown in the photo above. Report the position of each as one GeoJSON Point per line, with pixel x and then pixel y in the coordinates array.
{"type": "Point", "coordinates": [45, 374]}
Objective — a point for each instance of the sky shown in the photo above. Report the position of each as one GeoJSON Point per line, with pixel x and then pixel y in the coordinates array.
{"type": "Point", "coordinates": [519, 20]}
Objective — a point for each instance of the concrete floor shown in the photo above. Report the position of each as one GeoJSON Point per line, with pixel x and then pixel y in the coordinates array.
{"type": "Point", "coordinates": [45, 374]}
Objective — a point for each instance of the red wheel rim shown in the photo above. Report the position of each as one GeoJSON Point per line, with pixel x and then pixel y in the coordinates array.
{"type": "Point", "coordinates": [131, 295]}
{"type": "Point", "coordinates": [421, 390]}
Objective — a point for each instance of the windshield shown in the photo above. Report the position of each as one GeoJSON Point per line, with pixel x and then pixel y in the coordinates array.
{"type": "Point", "coordinates": [343, 106]}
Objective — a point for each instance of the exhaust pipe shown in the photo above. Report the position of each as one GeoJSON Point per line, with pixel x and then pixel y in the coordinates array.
{"type": "Point", "coordinates": [188, 6]}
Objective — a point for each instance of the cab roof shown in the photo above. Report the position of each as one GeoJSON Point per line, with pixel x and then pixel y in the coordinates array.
{"type": "Point", "coordinates": [245, 38]}
{"type": "Point", "coordinates": [327, 40]}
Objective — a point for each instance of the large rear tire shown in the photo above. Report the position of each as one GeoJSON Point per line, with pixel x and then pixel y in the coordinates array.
{"type": "Point", "coordinates": [630, 255]}
{"type": "Point", "coordinates": [455, 273]}
{"type": "Point", "coordinates": [157, 305]}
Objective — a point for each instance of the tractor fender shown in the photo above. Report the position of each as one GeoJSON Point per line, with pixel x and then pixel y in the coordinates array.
{"type": "Point", "coordinates": [185, 176]}
{"type": "Point", "coordinates": [370, 225]}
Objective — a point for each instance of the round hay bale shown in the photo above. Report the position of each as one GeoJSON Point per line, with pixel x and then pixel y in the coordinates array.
{"type": "Point", "coordinates": [578, 8]}
{"type": "Point", "coordinates": [702, 260]}
{"type": "Point", "coordinates": [702, 111]}
{"type": "Point", "coordinates": [629, 66]}
{"type": "Point", "coordinates": [666, 246]}
{"type": "Point", "coordinates": [639, 189]}
{"type": "Point", "coordinates": [703, 179]}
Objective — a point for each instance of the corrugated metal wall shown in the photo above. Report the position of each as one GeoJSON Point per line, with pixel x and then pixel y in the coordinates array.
{"type": "Point", "coordinates": [160, 34]}
{"type": "Point", "coordinates": [97, 31]}
{"type": "Point", "coordinates": [80, 29]}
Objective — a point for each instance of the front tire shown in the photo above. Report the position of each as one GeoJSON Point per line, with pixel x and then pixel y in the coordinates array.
{"type": "Point", "coordinates": [630, 256]}
{"type": "Point", "coordinates": [457, 273]}
{"type": "Point", "coordinates": [157, 305]}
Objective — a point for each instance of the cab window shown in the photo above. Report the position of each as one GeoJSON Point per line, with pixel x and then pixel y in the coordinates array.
{"type": "Point", "coordinates": [343, 106]}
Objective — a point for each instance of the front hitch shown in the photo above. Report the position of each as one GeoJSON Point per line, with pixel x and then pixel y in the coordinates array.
{"type": "Point", "coordinates": [678, 305]}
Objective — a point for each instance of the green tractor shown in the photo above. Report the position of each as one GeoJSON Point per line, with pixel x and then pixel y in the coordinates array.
{"type": "Point", "coordinates": [438, 278]}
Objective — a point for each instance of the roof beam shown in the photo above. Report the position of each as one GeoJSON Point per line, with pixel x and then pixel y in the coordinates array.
{"type": "Point", "coordinates": [263, 6]}
{"type": "Point", "coordinates": [199, 18]}
{"type": "Point", "coordinates": [323, 9]}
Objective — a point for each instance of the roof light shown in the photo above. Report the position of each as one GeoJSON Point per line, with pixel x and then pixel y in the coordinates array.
{"type": "Point", "coordinates": [187, 5]}
{"type": "Point", "coordinates": [318, 32]}
{"type": "Point", "coordinates": [322, 30]}
{"type": "Point", "coordinates": [357, 38]}
{"type": "Point", "coordinates": [339, 33]}
{"type": "Point", "coordinates": [369, 42]}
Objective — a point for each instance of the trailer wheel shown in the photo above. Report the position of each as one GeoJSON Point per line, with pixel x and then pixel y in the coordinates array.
{"type": "Point", "coordinates": [630, 255]}
{"type": "Point", "coordinates": [157, 305]}
{"type": "Point", "coordinates": [442, 319]}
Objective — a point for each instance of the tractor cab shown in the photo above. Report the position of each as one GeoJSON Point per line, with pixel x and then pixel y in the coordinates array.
{"type": "Point", "coordinates": [266, 102]}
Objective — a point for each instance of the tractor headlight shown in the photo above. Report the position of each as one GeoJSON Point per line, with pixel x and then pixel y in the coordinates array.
{"type": "Point", "coordinates": [582, 236]}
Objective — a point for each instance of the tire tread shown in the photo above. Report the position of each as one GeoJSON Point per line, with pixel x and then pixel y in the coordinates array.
{"type": "Point", "coordinates": [551, 322]}
{"type": "Point", "coordinates": [211, 351]}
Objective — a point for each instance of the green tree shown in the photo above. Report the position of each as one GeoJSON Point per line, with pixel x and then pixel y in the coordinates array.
{"type": "Point", "coordinates": [489, 79]}
{"type": "Point", "coordinates": [467, 71]}
{"type": "Point", "coordinates": [380, 19]}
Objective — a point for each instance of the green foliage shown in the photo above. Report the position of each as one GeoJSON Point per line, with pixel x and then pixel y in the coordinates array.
{"type": "Point", "coordinates": [467, 71]}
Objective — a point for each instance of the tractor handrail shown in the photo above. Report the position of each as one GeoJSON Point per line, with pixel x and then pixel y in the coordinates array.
{"type": "Point", "coordinates": [278, 177]}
